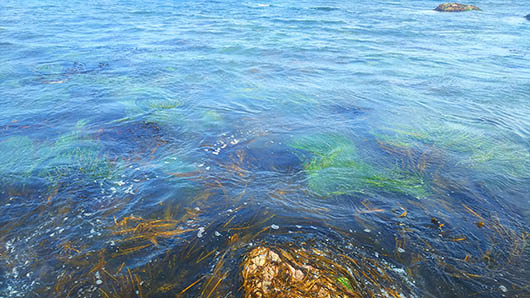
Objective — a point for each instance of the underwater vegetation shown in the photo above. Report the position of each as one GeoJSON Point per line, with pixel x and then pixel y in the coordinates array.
{"type": "Point", "coordinates": [62, 73]}
{"type": "Point", "coordinates": [16, 158]}
{"type": "Point", "coordinates": [232, 251]}
{"type": "Point", "coordinates": [334, 167]}
{"type": "Point", "coordinates": [153, 104]}
{"type": "Point", "coordinates": [131, 140]}
{"type": "Point", "coordinates": [212, 118]}
{"type": "Point", "coordinates": [483, 255]}
{"type": "Point", "coordinates": [469, 148]}
{"type": "Point", "coordinates": [74, 153]}
{"type": "Point", "coordinates": [211, 243]}
{"type": "Point", "coordinates": [72, 157]}
{"type": "Point", "coordinates": [71, 154]}
{"type": "Point", "coordinates": [293, 149]}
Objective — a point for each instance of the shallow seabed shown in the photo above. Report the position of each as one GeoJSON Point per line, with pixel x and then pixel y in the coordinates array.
{"type": "Point", "coordinates": [147, 147]}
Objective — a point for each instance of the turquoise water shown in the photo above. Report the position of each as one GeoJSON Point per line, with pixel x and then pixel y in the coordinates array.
{"type": "Point", "coordinates": [163, 140]}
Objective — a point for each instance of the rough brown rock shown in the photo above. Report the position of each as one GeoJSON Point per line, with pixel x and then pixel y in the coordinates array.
{"type": "Point", "coordinates": [267, 274]}
{"type": "Point", "coordinates": [455, 7]}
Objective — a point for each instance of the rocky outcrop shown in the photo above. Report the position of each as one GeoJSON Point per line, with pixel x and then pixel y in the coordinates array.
{"type": "Point", "coordinates": [455, 7]}
{"type": "Point", "coordinates": [288, 271]}
{"type": "Point", "coordinates": [281, 273]}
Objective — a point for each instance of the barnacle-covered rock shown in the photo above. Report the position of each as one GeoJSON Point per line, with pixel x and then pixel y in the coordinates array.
{"type": "Point", "coordinates": [310, 272]}
{"type": "Point", "coordinates": [266, 274]}
{"type": "Point", "coordinates": [455, 7]}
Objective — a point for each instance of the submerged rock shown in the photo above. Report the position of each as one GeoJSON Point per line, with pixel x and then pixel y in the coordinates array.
{"type": "Point", "coordinates": [310, 272]}
{"type": "Point", "coordinates": [266, 274]}
{"type": "Point", "coordinates": [455, 7]}
{"type": "Point", "coordinates": [528, 17]}
{"type": "Point", "coordinates": [264, 155]}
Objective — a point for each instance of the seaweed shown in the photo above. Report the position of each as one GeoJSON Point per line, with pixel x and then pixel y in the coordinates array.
{"type": "Point", "coordinates": [505, 158]}
{"type": "Point", "coordinates": [471, 148]}
{"type": "Point", "coordinates": [108, 270]}
{"type": "Point", "coordinates": [153, 104]}
{"type": "Point", "coordinates": [16, 161]}
{"type": "Point", "coordinates": [212, 118]}
{"type": "Point", "coordinates": [335, 167]}
{"type": "Point", "coordinates": [17, 156]}
{"type": "Point", "coordinates": [74, 153]}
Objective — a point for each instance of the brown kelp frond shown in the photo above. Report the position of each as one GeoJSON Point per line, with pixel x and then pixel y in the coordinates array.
{"type": "Point", "coordinates": [109, 272]}
{"type": "Point", "coordinates": [138, 229]}
{"type": "Point", "coordinates": [494, 248]}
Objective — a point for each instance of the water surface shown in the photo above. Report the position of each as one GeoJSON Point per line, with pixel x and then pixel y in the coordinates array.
{"type": "Point", "coordinates": [146, 147]}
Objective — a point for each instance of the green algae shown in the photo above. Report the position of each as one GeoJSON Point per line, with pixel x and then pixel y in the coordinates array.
{"type": "Point", "coordinates": [153, 105]}
{"type": "Point", "coordinates": [71, 155]}
{"type": "Point", "coordinates": [74, 153]}
{"type": "Point", "coordinates": [137, 98]}
{"type": "Point", "coordinates": [16, 160]}
{"type": "Point", "coordinates": [473, 149]}
{"type": "Point", "coordinates": [50, 68]}
{"type": "Point", "coordinates": [335, 167]}
{"type": "Point", "coordinates": [210, 119]}
{"type": "Point", "coordinates": [345, 282]}
{"type": "Point", "coordinates": [392, 141]}
{"type": "Point", "coordinates": [399, 182]}
{"type": "Point", "coordinates": [507, 159]}
{"type": "Point", "coordinates": [212, 116]}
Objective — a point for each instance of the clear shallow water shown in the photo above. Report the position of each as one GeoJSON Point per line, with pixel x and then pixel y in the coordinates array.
{"type": "Point", "coordinates": [224, 125]}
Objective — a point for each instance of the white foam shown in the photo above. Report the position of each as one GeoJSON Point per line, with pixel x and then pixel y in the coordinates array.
{"type": "Point", "coordinates": [201, 232]}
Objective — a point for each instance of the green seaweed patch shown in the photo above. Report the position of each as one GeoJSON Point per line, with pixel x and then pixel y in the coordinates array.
{"type": "Point", "coordinates": [211, 116]}
{"type": "Point", "coordinates": [334, 167]}
{"type": "Point", "coordinates": [165, 104]}
{"type": "Point", "coordinates": [502, 158]}
{"type": "Point", "coordinates": [324, 144]}
{"type": "Point", "coordinates": [153, 105]}
{"type": "Point", "coordinates": [392, 141]}
{"type": "Point", "coordinates": [399, 182]}
{"type": "Point", "coordinates": [472, 147]}
{"type": "Point", "coordinates": [74, 153]}
{"type": "Point", "coordinates": [452, 137]}
{"type": "Point", "coordinates": [16, 160]}
{"type": "Point", "coordinates": [345, 282]}
{"type": "Point", "coordinates": [50, 68]}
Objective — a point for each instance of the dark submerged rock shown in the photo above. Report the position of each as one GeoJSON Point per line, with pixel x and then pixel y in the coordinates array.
{"type": "Point", "coordinates": [528, 17]}
{"type": "Point", "coordinates": [131, 139]}
{"type": "Point", "coordinates": [455, 7]}
{"type": "Point", "coordinates": [264, 155]}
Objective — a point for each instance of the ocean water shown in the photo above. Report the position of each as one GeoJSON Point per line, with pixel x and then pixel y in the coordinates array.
{"type": "Point", "coordinates": [147, 146]}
